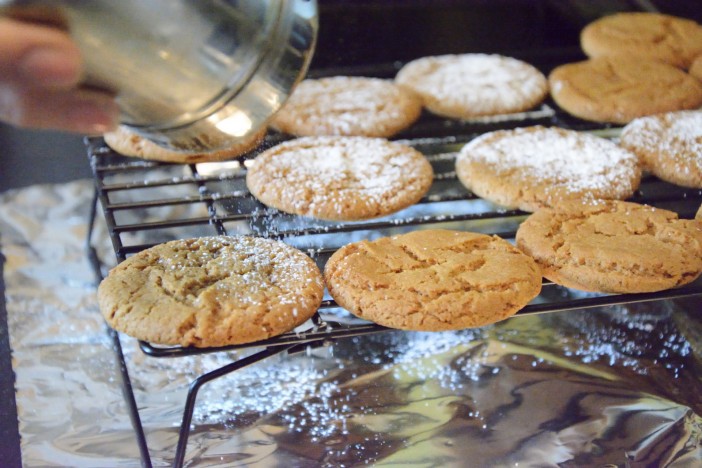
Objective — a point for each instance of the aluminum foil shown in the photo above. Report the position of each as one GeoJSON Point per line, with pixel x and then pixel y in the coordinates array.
{"type": "Point", "coordinates": [616, 386]}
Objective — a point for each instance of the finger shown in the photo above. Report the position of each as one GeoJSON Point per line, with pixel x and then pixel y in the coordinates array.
{"type": "Point", "coordinates": [38, 56]}
{"type": "Point", "coordinates": [79, 111]}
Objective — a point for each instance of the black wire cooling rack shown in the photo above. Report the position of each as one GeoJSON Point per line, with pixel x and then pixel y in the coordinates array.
{"type": "Point", "coordinates": [145, 203]}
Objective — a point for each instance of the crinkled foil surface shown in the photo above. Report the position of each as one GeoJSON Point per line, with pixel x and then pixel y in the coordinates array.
{"type": "Point", "coordinates": [616, 386]}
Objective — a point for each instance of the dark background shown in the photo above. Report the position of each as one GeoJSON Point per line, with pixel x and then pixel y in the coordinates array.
{"type": "Point", "coordinates": [352, 34]}
{"type": "Point", "coordinates": [358, 33]}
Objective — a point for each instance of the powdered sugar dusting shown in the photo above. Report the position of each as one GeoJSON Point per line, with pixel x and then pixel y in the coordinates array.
{"type": "Point", "coordinates": [345, 172]}
{"type": "Point", "coordinates": [481, 83]}
{"type": "Point", "coordinates": [243, 266]}
{"type": "Point", "coordinates": [675, 133]}
{"type": "Point", "coordinates": [211, 291]}
{"type": "Point", "coordinates": [669, 144]}
{"type": "Point", "coordinates": [572, 160]}
{"type": "Point", "coordinates": [344, 105]}
{"type": "Point", "coordinates": [681, 128]}
{"type": "Point", "coordinates": [688, 129]}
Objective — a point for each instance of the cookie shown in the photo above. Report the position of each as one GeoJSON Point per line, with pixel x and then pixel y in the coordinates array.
{"type": "Point", "coordinates": [699, 213]}
{"type": "Point", "coordinates": [127, 143]}
{"type": "Point", "coordinates": [620, 89]}
{"type": "Point", "coordinates": [339, 178]}
{"type": "Point", "coordinates": [348, 106]}
{"type": "Point", "coordinates": [669, 145]}
{"type": "Point", "coordinates": [532, 167]}
{"type": "Point", "coordinates": [432, 280]}
{"type": "Point", "coordinates": [613, 247]}
{"type": "Point", "coordinates": [474, 85]}
{"type": "Point", "coordinates": [653, 36]}
{"type": "Point", "coordinates": [696, 68]}
{"type": "Point", "coordinates": [211, 291]}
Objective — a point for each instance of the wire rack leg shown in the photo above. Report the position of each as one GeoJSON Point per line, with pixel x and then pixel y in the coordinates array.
{"type": "Point", "coordinates": [128, 394]}
{"type": "Point", "coordinates": [202, 380]}
{"type": "Point", "coordinates": [127, 390]}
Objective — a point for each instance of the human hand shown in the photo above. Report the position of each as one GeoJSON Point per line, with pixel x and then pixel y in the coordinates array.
{"type": "Point", "coordinates": [40, 73]}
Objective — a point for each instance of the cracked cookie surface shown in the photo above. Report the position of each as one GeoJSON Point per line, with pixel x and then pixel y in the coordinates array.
{"type": "Point", "coordinates": [340, 178]}
{"type": "Point", "coordinates": [432, 280]}
{"type": "Point", "coordinates": [211, 291]}
{"type": "Point", "coordinates": [613, 247]}
{"type": "Point", "coordinates": [618, 89]}
{"type": "Point", "coordinates": [654, 36]}
{"type": "Point", "coordinates": [532, 167]}
{"type": "Point", "coordinates": [466, 86]}
{"type": "Point", "coordinates": [696, 68]}
{"type": "Point", "coordinates": [350, 106]}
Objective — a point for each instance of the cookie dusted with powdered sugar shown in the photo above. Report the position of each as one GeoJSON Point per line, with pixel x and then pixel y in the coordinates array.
{"type": "Point", "coordinates": [613, 246]}
{"type": "Point", "coordinates": [432, 280]}
{"type": "Point", "coordinates": [340, 178]}
{"type": "Point", "coordinates": [532, 167]}
{"type": "Point", "coordinates": [669, 145]}
{"type": "Point", "coordinates": [644, 35]}
{"type": "Point", "coordinates": [474, 85]}
{"type": "Point", "coordinates": [619, 89]}
{"type": "Point", "coordinates": [348, 106]}
{"type": "Point", "coordinates": [128, 143]}
{"type": "Point", "coordinates": [211, 291]}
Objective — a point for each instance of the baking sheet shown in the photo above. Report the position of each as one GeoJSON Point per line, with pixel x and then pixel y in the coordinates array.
{"type": "Point", "coordinates": [614, 386]}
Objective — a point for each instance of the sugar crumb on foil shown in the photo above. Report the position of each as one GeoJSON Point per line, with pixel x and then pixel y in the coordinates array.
{"type": "Point", "coordinates": [632, 340]}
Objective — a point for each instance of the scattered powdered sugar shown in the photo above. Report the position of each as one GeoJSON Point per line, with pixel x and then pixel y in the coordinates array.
{"type": "Point", "coordinates": [578, 161]}
{"type": "Point", "coordinates": [635, 337]}
{"type": "Point", "coordinates": [425, 354]}
{"type": "Point", "coordinates": [265, 389]}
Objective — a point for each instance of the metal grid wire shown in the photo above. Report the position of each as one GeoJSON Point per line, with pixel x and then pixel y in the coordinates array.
{"type": "Point", "coordinates": [145, 203]}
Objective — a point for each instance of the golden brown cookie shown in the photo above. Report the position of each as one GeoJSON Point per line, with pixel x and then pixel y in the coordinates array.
{"type": "Point", "coordinates": [613, 247]}
{"type": "Point", "coordinates": [474, 85]}
{"type": "Point", "coordinates": [128, 143]}
{"type": "Point", "coordinates": [340, 178]}
{"type": "Point", "coordinates": [699, 213]}
{"type": "Point", "coordinates": [619, 89]}
{"type": "Point", "coordinates": [211, 291]}
{"type": "Point", "coordinates": [652, 36]}
{"type": "Point", "coordinates": [532, 167]}
{"type": "Point", "coordinates": [349, 106]}
{"type": "Point", "coordinates": [432, 280]}
{"type": "Point", "coordinates": [696, 68]}
{"type": "Point", "coordinates": [669, 145]}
